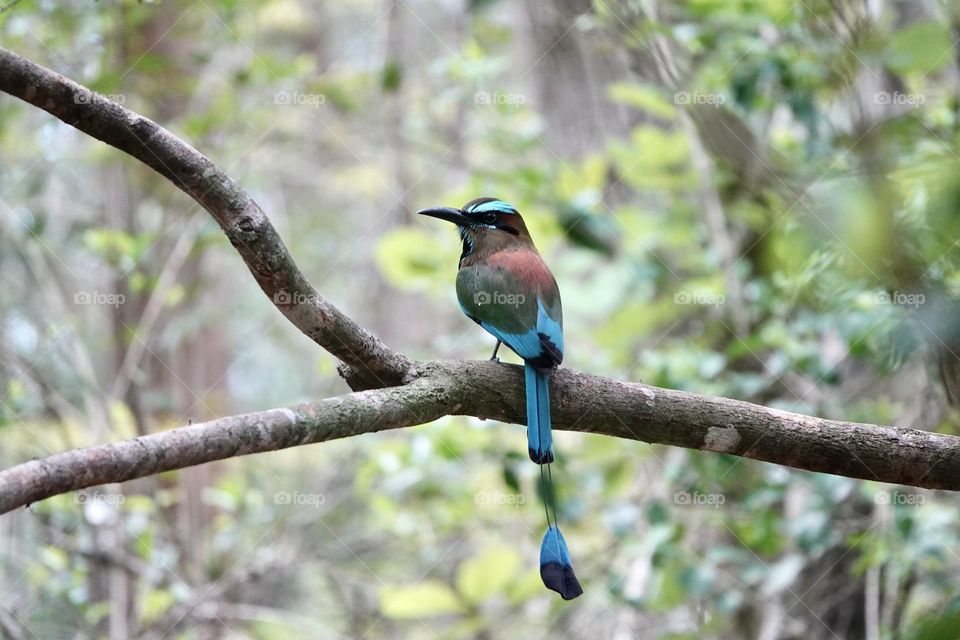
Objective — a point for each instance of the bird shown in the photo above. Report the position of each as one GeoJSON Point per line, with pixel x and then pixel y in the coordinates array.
{"type": "Point", "coordinates": [504, 285]}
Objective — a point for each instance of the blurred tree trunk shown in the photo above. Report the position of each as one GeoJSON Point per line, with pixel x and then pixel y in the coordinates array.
{"type": "Point", "coordinates": [200, 358]}
{"type": "Point", "coordinates": [571, 69]}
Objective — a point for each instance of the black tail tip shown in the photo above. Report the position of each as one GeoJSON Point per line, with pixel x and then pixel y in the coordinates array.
{"type": "Point", "coordinates": [560, 578]}
{"type": "Point", "coordinates": [541, 457]}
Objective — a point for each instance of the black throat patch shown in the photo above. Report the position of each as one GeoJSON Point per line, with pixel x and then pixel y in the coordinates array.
{"type": "Point", "coordinates": [467, 244]}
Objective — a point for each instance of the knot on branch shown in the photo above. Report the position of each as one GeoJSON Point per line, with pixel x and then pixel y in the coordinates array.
{"type": "Point", "coordinates": [364, 378]}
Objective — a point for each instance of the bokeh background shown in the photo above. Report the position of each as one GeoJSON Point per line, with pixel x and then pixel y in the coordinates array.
{"type": "Point", "coordinates": [757, 199]}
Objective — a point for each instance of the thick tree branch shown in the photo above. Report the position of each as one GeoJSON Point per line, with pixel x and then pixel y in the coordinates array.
{"type": "Point", "coordinates": [427, 390]}
{"type": "Point", "coordinates": [246, 225]}
{"type": "Point", "coordinates": [581, 402]}
{"type": "Point", "coordinates": [421, 401]}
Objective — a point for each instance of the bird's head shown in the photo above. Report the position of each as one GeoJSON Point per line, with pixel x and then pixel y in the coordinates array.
{"type": "Point", "coordinates": [481, 217]}
{"type": "Point", "coordinates": [486, 223]}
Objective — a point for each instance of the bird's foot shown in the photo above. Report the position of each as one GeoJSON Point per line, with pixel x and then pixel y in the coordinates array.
{"type": "Point", "coordinates": [495, 359]}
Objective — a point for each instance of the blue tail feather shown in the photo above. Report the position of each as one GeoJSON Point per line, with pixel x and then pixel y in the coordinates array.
{"type": "Point", "coordinates": [533, 415]}
{"type": "Point", "coordinates": [556, 569]}
{"type": "Point", "coordinates": [539, 429]}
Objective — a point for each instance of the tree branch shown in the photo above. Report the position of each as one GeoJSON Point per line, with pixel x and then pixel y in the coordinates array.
{"type": "Point", "coordinates": [427, 390]}
{"type": "Point", "coordinates": [581, 402]}
{"type": "Point", "coordinates": [246, 225]}
{"type": "Point", "coordinates": [352, 414]}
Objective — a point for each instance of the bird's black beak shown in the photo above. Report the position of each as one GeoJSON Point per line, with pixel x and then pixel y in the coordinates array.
{"type": "Point", "coordinates": [446, 213]}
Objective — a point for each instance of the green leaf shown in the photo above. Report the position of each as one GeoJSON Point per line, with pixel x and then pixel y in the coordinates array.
{"type": "Point", "coordinates": [488, 573]}
{"type": "Point", "coordinates": [526, 586]}
{"type": "Point", "coordinates": [157, 602]}
{"type": "Point", "coordinates": [391, 77]}
{"type": "Point", "coordinates": [923, 47]}
{"type": "Point", "coordinates": [585, 179]}
{"type": "Point", "coordinates": [644, 98]}
{"type": "Point", "coordinates": [427, 599]}
{"type": "Point", "coordinates": [943, 628]}
{"type": "Point", "coordinates": [411, 258]}
{"type": "Point", "coordinates": [55, 558]}
{"type": "Point", "coordinates": [666, 589]}
{"type": "Point", "coordinates": [599, 233]}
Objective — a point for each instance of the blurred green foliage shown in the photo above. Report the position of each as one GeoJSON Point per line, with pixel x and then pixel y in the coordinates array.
{"type": "Point", "coordinates": [842, 210]}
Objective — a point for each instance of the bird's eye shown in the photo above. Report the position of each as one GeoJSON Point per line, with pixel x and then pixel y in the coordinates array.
{"type": "Point", "coordinates": [490, 218]}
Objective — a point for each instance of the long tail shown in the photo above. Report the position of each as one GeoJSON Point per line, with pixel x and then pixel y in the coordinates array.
{"type": "Point", "coordinates": [539, 431]}
{"type": "Point", "coordinates": [556, 568]}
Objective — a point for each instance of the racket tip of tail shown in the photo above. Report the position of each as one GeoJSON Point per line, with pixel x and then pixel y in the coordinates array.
{"type": "Point", "coordinates": [560, 578]}
{"type": "Point", "coordinates": [556, 569]}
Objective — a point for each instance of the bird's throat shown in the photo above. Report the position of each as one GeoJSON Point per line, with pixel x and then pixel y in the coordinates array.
{"type": "Point", "coordinates": [468, 244]}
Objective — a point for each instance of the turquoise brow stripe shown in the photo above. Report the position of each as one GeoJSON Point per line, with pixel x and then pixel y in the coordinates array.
{"type": "Point", "coordinates": [494, 205]}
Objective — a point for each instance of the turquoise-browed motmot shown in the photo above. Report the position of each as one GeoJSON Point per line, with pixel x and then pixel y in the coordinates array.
{"type": "Point", "coordinates": [504, 286]}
